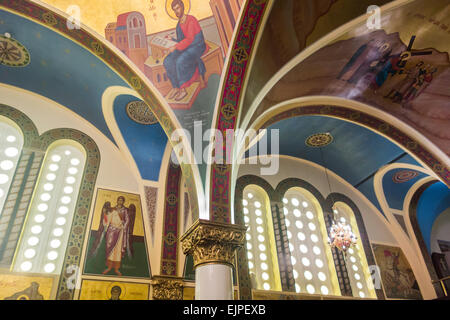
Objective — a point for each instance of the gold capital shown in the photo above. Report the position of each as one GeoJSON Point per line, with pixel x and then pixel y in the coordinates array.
{"type": "Point", "coordinates": [212, 242]}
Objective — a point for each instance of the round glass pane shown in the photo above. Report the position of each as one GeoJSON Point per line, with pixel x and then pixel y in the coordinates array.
{"type": "Point", "coordinates": [310, 288]}
{"type": "Point", "coordinates": [58, 232]}
{"type": "Point", "coordinates": [48, 186]}
{"type": "Point", "coordinates": [52, 255]}
{"type": "Point", "coordinates": [46, 196]}
{"type": "Point", "coordinates": [68, 190]}
{"type": "Point", "coordinates": [32, 241]}
{"type": "Point", "coordinates": [49, 267]}
{"type": "Point", "coordinates": [6, 165]}
{"type": "Point", "coordinates": [55, 243]}
{"type": "Point", "coordinates": [70, 180]}
{"type": "Point", "coordinates": [319, 263]}
{"type": "Point", "coordinates": [26, 266]}
{"type": "Point", "coordinates": [36, 229]}
{"type": "Point", "coordinates": [11, 152]}
{"type": "Point", "coordinates": [61, 221]}
{"type": "Point", "coordinates": [324, 290]}
{"type": "Point", "coordinates": [29, 253]}
{"type": "Point", "coordinates": [3, 178]}
{"type": "Point", "coordinates": [63, 210]}
{"type": "Point", "coordinates": [306, 262]}
{"type": "Point", "coordinates": [39, 218]}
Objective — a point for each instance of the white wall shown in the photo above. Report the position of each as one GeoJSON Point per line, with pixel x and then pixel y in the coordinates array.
{"type": "Point", "coordinates": [297, 168]}
{"type": "Point", "coordinates": [114, 172]}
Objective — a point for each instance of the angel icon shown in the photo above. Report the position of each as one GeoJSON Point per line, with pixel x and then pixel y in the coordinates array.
{"type": "Point", "coordinates": [116, 227]}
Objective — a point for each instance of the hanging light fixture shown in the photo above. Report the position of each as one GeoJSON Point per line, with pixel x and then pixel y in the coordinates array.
{"type": "Point", "coordinates": [340, 235]}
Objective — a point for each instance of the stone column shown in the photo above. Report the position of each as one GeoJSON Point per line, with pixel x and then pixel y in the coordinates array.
{"type": "Point", "coordinates": [213, 247]}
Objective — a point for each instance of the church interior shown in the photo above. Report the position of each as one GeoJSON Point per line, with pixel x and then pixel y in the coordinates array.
{"type": "Point", "coordinates": [224, 150]}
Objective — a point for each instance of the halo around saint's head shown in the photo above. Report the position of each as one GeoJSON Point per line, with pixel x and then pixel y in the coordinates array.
{"type": "Point", "coordinates": [115, 284]}
{"type": "Point", "coordinates": [187, 8]}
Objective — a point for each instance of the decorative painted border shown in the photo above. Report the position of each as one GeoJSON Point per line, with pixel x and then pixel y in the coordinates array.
{"type": "Point", "coordinates": [151, 200]}
{"type": "Point", "coordinates": [229, 104]}
{"type": "Point", "coordinates": [371, 122]}
{"type": "Point", "coordinates": [78, 228]}
{"type": "Point", "coordinates": [26, 125]}
{"type": "Point", "coordinates": [58, 23]}
{"type": "Point", "coordinates": [169, 250]}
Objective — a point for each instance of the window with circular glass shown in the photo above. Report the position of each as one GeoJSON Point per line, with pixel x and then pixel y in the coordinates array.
{"type": "Point", "coordinates": [261, 249]}
{"type": "Point", "coordinates": [11, 143]}
{"type": "Point", "coordinates": [311, 257]}
{"type": "Point", "coordinates": [356, 261]}
{"type": "Point", "coordinates": [51, 210]}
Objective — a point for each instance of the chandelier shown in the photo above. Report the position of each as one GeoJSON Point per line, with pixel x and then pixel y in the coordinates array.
{"type": "Point", "coordinates": [340, 234]}
{"type": "Point", "coordinates": [341, 237]}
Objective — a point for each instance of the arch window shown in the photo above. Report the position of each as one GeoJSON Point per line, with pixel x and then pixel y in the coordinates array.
{"type": "Point", "coordinates": [261, 249]}
{"type": "Point", "coordinates": [46, 231]}
{"type": "Point", "coordinates": [11, 143]}
{"type": "Point", "coordinates": [356, 261]}
{"type": "Point", "coordinates": [311, 257]}
{"type": "Point", "coordinates": [135, 23]}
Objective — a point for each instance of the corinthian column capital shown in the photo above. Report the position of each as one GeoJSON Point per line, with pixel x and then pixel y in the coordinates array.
{"type": "Point", "coordinates": [212, 242]}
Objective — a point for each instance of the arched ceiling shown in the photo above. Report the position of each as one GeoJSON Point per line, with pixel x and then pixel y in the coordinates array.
{"type": "Point", "coordinates": [293, 25]}
{"type": "Point", "coordinates": [355, 153]}
{"type": "Point", "coordinates": [70, 75]}
{"type": "Point", "coordinates": [146, 142]}
{"type": "Point", "coordinates": [59, 69]}
{"type": "Point", "coordinates": [349, 64]}
{"type": "Point", "coordinates": [75, 69]}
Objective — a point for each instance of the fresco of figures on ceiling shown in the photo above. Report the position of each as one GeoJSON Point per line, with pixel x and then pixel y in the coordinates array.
{"type": "Point", "coordinates": [382, 71]}
{"type": "Point", "coordinates": [184, 62]}
{"type": "Point", "coordinates": [179, 45]}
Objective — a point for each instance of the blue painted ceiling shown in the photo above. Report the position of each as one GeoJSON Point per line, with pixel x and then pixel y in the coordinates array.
{"type": "Point", "coordinates": [395, 193]}
{"type": "Point", "coordinates": [433, 201]}
{"type": "Point", "coordinates": [65, 72]}
{"type": "Point", "coordinates": [145, 142]}
{"type": "Point", "coordinates": [355, 154]}
{"type": "Point", "coordinates": [60, 70]}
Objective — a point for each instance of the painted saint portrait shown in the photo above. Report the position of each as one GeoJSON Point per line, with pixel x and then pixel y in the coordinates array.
{"type": "Point", "coordinates": [183, 64]}
{"type": "Point", "coordinates": [117, 242]}
{"type": "Point", "coordinates": [180, 47]}
{"type": "Point", "coordinates": [106, 290]}
{"type": "Point", "coordinates": [396, 274]}
{"type": "Point", "coordinates": [15, 287]}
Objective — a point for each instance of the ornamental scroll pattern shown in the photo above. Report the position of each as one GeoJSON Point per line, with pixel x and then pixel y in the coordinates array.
{"type": "Point", "coordinates": [243, 47]}
{"type": "Point", "coordinates": [167, 289]}
{"type": "Point", "coordinates": [211, 242]}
